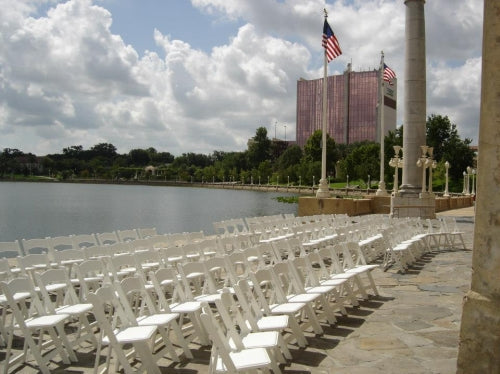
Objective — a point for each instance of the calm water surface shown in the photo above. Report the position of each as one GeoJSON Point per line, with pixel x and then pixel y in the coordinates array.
{"type": "Point", "coordinates": [36, 210]}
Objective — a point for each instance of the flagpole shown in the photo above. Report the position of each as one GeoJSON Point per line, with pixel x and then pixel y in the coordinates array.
{"type": "Point", "coordinates": [381, 191]}
{"type": "Point", "coordinates": [323, 189]}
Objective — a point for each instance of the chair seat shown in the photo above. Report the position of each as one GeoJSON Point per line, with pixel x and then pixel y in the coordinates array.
{"type": "Point", "coordinates": [333, 282]}
{"type": "Point", "coordinates": [133, 334]}
{"type": "Point", "coordinates": [264, 339]}
{"type": "Point", "coordinates": [74, 309]}
{"type": "Point", "coordinates": [320, 289]}
{"type": "Point", "coordinates": [212, 298]}
{"type": "Point", "coordinates": [302, 298]}
{"type": "Point", "coordinates": [158, 319]}
{"type": "Point", "coordinates": [185, 307]}
{"type": "Point", "coordinates": [44, 321]}
{"type": "Point", "coordinates": [286, 308]}
{"type": "Point", "coordinates": [272, 322]}
{"type": "Point", "coordinates": [17, 297]}
{"type": "Point", "coordinates": [246, 359]}
{"type": "Point", "coordinates": [55, 287]}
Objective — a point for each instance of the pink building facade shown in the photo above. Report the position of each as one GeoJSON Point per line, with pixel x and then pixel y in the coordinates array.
{"type": "Point", "coordinates": [353, 114]}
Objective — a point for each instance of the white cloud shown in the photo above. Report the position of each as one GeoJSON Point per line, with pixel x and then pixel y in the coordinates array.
{"type": "Point", "coordinates": [65, 79]}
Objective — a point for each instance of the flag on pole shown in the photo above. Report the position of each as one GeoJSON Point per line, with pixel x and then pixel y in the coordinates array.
{"type": "Point", "coordinates": [389, 74]}
{"type": "Point", "coordinates": [330, 43]}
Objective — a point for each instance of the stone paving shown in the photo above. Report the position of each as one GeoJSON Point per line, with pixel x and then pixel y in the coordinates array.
{"type": "Point", "coordinates": [411, 327]}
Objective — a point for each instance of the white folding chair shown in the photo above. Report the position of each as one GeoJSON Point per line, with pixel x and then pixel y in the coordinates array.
{"type": "Point", "coordinates": [256, 320]}
{"type": "Point", "coordinates": [141, 311]}
{"type": "Point", "coordinates": [66, 301]}
{"type": "Point", "coordinates": [273, 300]}
{"type": "Point", "coordinates": [294, 291]}
{"type": "Point", "coordinates": [165, 283]}
{"type": "Point", "coordinates": [38, 323]}
{"type": "Point", "coordinates": [118, 335]}
{"type": "Point", "coordinates": [452, 232]}
{"type": "Point", "coordinates": [225, 360]}
{"type": "Point", "coordinates": [241, 336]}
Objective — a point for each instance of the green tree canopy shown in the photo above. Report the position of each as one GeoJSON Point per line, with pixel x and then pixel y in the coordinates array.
{"type": "Point", "coordinates": [259, 147]}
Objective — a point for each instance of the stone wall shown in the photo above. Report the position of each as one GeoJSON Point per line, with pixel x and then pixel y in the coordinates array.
{"type": "Point", "coordinates": [309, 206]}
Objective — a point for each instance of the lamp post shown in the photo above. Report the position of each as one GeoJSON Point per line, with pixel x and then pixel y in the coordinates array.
{"type": "Point", "coordinates": [473, 187]}
{"type": "Point", "coordinates": [288, 181]}
{"type": "Point", "coordinates": [300, 180]}
{"type": "Point", "coordinates": [313, 182]}
{"type": "Point", "coordinates": [422, 162]}
{"type": "Point", "coordinates": [347, 184]}
{"type": "Point", "coordinates": [431, 164]}
{"type": "Point", "coordinates": [469, 170]}
{"type": "Point", "coordinates": [464, 191]}
{"type": "Point", "coordinates": [259, 179]}
{"type": "Point", "coordinates": [369, 184]}
{"type": "Point", "coordinates": [446, 167]}
{"type": "Point", "coordinates": [394, 162]}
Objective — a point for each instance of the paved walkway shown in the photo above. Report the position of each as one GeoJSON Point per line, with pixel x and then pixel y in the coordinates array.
{"type": "Point", "coordinates": [411, 327]}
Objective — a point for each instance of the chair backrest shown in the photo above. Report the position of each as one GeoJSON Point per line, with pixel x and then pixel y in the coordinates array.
{"type": "Point", "coordinates": [142, 244]}
{"type": "Point", "coordinates": [10, 249]}
{"type": "Point", "coordinates": [5, 272]}
{"type": "Point", "coordinates": [135, 299]}
{"type": "Point", "coordinates": [61, 243]}
{"type": "Point", "coordinates": [35, 246]}
{"type": "Point", "coordinates": [92, 274]}
{"type": "Point", "coordinates": [56, 278]}
{"type": "Point", "coordinates": [16, 291]}
{"type": "Point", "coordinates": [147, 232]}
{"type": "Point", "coordinates": [33, 262]}
{"type": "Point", "coordinates": [118, 249]}
{"type": "Point", "coordinates": [192, 275]}
{"type": "Point", "coordinates": [127, 235]}
{"type": "Point", "coordinates": [97, 252]}
{"type": "Point", "coordinates": [121, 266]}
{"type": "Point", "coordinates": [84, 241]}
{"type": "Point", "coordinates": [165, 281]}
{"type": "Point", "coordinates": [69, 256]}
{"type": "Point", "coordinates": [107, 238]}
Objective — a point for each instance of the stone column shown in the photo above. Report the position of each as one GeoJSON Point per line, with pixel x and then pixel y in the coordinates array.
{"type": "Point", "coordinates": [479, 350]}
{"type": "Point", "coordinates": [415, 96]}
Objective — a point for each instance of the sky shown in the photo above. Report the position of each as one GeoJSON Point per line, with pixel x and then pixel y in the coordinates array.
{"type": "Point", "coordinates": [202, 75]}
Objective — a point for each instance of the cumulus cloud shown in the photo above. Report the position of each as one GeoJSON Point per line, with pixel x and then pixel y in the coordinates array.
{"type": "Point", "coordinates": [66, 79]}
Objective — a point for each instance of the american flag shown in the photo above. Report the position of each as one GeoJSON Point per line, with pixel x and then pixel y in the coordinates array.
{"type": "Point", "coordinates": [389, 74]}
{"type": "Point", "coordinates": [330, 43]}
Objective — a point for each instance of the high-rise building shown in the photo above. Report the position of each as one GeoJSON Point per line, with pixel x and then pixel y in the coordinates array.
{"type": "Point", "coordinates": [352, 99]}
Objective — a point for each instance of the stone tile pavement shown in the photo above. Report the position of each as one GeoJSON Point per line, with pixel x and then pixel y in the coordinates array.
{"type": "Point", "coordinates": [411, 327]}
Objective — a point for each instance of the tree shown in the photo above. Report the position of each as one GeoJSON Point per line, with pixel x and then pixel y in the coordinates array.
{"type": "Point", "coordinates": [364, 160]}
{"type": "Point", "coordinates": [290, 157]}
{"type": "Point", "coordinates": [259, 147]}
{"type": "Point", "coordinates": [106, 150]}
{"type": "Point", "coordinates": [139, 157]}
{"type": "Point", "coordinates": [312, 150]}
{"type": "Point", "coordinates": [443, 136]}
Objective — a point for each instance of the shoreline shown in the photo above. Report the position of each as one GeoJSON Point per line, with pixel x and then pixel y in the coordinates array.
{"type": "Point", "coordinates": [301, 190]}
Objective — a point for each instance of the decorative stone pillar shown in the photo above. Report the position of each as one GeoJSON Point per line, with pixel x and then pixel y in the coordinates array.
{"type": "Point", "coordinates": [479, 350]}
{"type": "Point", "coordinates": [415, 95]}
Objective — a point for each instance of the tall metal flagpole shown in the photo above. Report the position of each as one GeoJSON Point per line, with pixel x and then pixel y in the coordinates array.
{"type": "Point", "coordinates": [381, 191]}
{"type": "Point", "coordinates": [323, 190]}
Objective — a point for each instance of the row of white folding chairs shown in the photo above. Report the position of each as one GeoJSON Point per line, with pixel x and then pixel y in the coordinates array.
{"type": "Point", "coordinates": [51, 245]}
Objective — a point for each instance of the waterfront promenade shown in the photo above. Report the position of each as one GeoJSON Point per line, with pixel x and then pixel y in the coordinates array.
{"type": "Point", "coordinates": [411, 327]}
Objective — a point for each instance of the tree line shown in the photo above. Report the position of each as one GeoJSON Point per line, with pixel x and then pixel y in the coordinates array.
{"type": "Point", "coordinates": [265, 161]}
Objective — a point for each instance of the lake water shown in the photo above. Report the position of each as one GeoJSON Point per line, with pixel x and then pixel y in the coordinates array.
{"type": "Point", "coordinates": [37, 210]}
